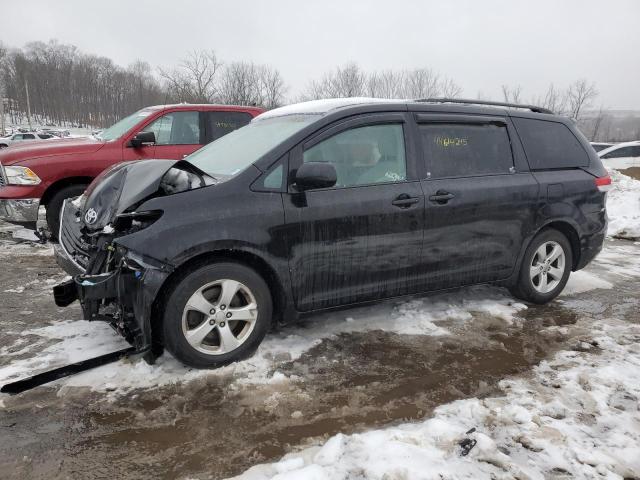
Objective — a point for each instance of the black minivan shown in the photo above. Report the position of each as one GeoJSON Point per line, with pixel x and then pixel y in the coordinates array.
{"type": "Point", "coordinates": [328, 204]}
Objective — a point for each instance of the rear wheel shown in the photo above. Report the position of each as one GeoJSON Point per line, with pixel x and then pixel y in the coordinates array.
{"type": "Point", "coordinates": [55, 205]}
{"type": "Point", "coordinates": [2, 145]}
{"type": "Point", "coordinates": [216, 315]}
{"type": "Point", "coordinates": [545, 268]}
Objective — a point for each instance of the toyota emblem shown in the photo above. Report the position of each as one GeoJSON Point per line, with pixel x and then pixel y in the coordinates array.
{"type": "Point", "coordinates": [91, 216]}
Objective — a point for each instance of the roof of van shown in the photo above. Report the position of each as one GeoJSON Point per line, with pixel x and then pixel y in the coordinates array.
{"type": "Point", "coordinates": [328, 105]}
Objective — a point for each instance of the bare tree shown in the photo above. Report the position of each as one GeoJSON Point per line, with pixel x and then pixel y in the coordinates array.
{"type": "Point", "coordinates": [351, 81]}
{"type": "Point", "coordinates": [512, 94]}
{"type": "Point", "coordinates": [346, 81]}
{"type": "Point", "coordinates": [194, 78]}
{"type": "Point", "coordinates": [423, 83]}
{"type": "Point", "coordinates": [580, 96]}
{"type": "Point", "coordinates": [450, 89]}
{"type": "Point", "coordinates": [597, 124]}
{"type": "Point", "coordinates": [273, 87]}
{"type": "Point", "coordinates": [246, 83]}
{"type": "Point", "coordinates": [554, 99]}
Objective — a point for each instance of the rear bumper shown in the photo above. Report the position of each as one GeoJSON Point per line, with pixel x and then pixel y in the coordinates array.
{"type": "Point", "coordinates": [23, 211]}
{"type": "Point", "coordinates": [591, 246]}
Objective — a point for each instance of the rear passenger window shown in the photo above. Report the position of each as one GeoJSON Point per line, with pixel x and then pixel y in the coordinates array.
{"type": "Point", "coordinates": [221, 123]}
{"type": "Point", "coordinates": [550, 144]}
{"type": "Point", "coordinates": [459, 150]}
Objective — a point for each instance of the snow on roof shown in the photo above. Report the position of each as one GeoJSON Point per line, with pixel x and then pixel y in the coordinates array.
{"type": "Point", "coordinates": [320, 107]}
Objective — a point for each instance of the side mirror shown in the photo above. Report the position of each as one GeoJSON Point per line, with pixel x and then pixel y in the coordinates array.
{"type": "Point", "coordinates": [142, 138]}
{"type": "Point", "coordinates": [315, 175]}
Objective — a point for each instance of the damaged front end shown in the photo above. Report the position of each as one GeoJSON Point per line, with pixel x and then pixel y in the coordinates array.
{"type": "Point", "coordinates": [113, 283]}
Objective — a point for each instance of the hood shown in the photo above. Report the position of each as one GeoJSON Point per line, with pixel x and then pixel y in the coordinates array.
{"type": "Point", "coordinates": [22, 151]}
{"type": "Point", "coordinates": [124, 186]}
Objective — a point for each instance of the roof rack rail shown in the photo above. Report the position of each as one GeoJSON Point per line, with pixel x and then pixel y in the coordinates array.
{"type": "Point", "coordinates": [533, 108]}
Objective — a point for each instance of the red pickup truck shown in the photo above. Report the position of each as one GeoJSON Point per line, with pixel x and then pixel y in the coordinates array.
{"type": "Point", "coordinates": [44, 174]}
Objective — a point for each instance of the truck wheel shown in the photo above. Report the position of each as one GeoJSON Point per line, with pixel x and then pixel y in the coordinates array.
{"type": "Point", "coordinates": [2, 145]}
{"type": "Point", "coordinates": [55, 205]}
{"type": "Point", "coordinates": [216, 315]}
{"type": "Point", "coordinates": [545, 268]}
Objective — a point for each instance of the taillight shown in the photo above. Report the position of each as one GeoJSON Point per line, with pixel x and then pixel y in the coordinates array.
{"type": "Point", "coordinates": [603, 183]}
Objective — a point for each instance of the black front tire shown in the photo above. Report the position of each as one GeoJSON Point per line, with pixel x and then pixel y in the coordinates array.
{"type": "Point", "coordinates": [55, 205]}
{"type": "Point", "coordinates": [174, 338]}
{"type": "Point", "coordinates": [524, 288]}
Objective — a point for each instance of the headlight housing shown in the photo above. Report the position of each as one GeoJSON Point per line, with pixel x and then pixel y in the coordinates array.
{"type": "Point", "coordinates": [21, 176]}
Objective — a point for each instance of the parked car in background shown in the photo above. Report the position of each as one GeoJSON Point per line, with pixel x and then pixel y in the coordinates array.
{"type": "Point", "coordinates": [24, 137]}
{"type": "Point", "coordinates": [44, 174]}
{"type": "Point", "coordinates": [622, 155]}
{"type": "Point", "coordinates": [597, 146]}
{"type": "Point", "coordinates": [327, 204]}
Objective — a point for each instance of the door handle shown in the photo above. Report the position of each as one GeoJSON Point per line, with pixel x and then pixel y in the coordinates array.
{"type": "Point", "coordinates": [441, 197]}
{"type": "Point", "coordinates": [405, 201]}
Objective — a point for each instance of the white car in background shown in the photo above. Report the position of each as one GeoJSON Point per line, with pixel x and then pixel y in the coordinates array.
{"type": "Point", "coordinates": [621, 155]}
{"type": "Point", "coordinates": [21, 137]}
{"type": "Point", "coordinates": [597, 146]}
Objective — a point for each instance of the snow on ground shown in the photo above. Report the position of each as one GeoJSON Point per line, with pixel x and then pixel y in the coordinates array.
{"type": "Point", "coordinates": [575, 416]}
{"type": "Point", "coordinates": [72, 341]}
{"type": "Point", "coordinates": [623, 206]}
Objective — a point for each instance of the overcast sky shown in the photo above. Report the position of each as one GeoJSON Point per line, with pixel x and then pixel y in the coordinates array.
{"type": "Point", "coordinates": [481, 44]}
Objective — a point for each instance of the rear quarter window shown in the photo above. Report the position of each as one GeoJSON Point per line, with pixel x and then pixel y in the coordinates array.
{"type": "Point", "coordinates": [550, 145]}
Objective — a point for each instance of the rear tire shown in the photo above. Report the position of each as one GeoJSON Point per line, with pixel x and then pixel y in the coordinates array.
{"type": "Point", "coordinates": [55, 205]}
{"type": "Point", "coordinates": [217, 314]}
{"type": "Point", "coordinates": [545, 268]}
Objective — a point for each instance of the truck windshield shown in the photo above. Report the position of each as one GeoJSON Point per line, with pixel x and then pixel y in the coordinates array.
{"type": "Point", "coordinates": [234, 152]}
{"type": "Point", "coordinates": [123, 126]}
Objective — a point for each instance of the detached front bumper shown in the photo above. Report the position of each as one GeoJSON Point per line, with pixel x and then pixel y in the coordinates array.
{"type": "Point", "coordinates": [23, 211]}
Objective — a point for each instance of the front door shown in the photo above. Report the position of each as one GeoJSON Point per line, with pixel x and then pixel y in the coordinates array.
{"type": "Point", "coordinates": [178, 134]}
{"type": "Point", "coordinates": [479, 207]}
{"type": "Point", "coordinates": [360, 240]}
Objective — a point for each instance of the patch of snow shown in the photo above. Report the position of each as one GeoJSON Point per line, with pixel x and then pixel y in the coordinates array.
{"type": "Point", "coordinates": [583, 281]}
{"type": "Point", "coordinates": [623, 207]}
{"type": "Point", "coordinates": [576, 416]}
{"type": "Point", "coordinates": [25, 234]}
{"type": "Point", "coordinates": [78, 340]}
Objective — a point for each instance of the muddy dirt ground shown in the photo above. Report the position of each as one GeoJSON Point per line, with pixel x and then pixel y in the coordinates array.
{"type": "Point", "coordinates": [218, 426]}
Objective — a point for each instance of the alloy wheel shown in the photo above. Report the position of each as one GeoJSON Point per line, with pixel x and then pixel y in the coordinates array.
{"type": "Point", "coordinates": [219, 317]}
{"type": "Point", "coordinates": [547, 267]}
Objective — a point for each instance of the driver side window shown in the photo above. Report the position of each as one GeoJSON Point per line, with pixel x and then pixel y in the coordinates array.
{"type": "Point", "coordinates": [177, 128]}
{"type": "Point", "coordinates": [364, 155]}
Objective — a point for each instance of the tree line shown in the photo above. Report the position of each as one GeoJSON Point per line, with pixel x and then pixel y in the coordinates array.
{"type": "Point", "coordinates": [58, 84]}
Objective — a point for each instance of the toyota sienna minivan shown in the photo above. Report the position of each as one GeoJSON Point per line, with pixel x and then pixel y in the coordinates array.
{"type": "Point", "coordinates": [329, 204]}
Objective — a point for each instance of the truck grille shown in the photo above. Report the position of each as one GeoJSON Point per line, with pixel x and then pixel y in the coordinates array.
{"type": "Point", "coordinates": [70, 237]}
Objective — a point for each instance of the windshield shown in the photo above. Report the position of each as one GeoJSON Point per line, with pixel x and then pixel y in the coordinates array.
{"type": "Point", "coordinates": [234, 152]}
{"type": "Point", "coordinates": [123, 126]}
